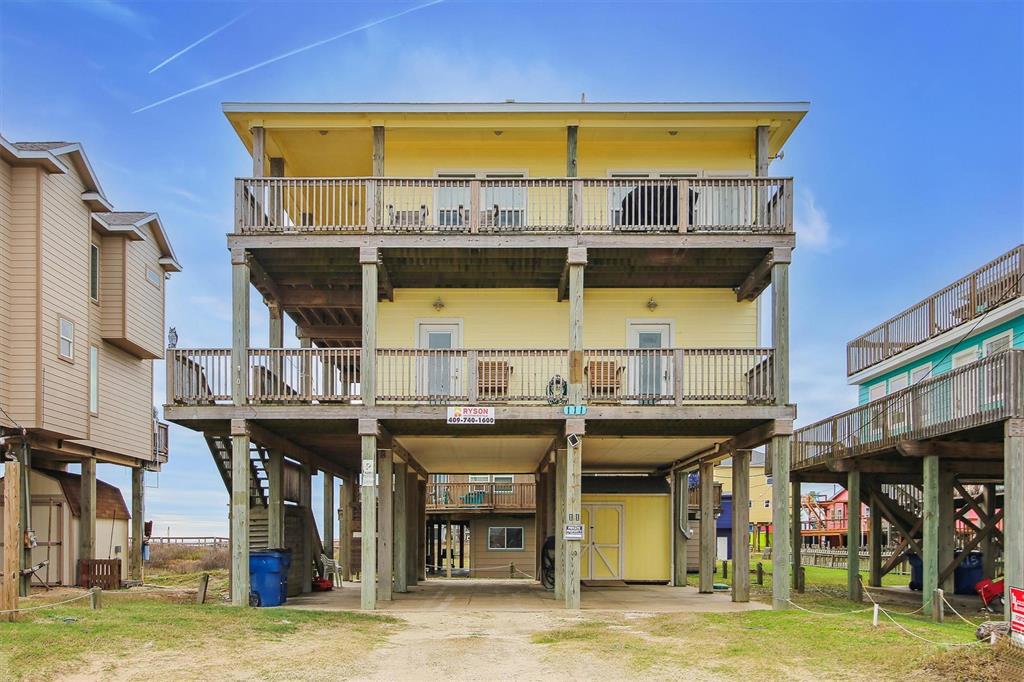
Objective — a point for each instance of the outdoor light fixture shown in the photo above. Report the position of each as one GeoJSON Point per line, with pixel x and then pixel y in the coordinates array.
{"type": "Point", "coordinates": [498, 132]}
{"type": "Point", "coordinates": [323, 132]}
{"type": "Point", "coordinates": [652, 304]}
{"type": "Point", "coordinates": [673, 133]}
{"type": "Point", "coordinates": [438, 304]}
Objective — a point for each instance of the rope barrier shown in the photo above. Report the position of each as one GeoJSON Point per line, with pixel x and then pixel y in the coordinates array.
{"type": "Point", "coordinates": [951, 608]}
{"type": "Point", "coordinates": [901, 613]}
{"type": "Point", "coordinates": [48, 606]}
{"type": "Point", "coordinates": [826, 613]}
{"type": "Point", "coordinates": [925, 639]}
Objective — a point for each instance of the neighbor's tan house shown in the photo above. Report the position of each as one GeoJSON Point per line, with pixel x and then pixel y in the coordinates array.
{"type": "Point", "coordinates": [82, 291]}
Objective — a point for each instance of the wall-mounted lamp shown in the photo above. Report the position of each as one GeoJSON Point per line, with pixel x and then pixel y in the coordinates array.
{"type": "Point", "coordinates": [652, 304]}
{"type": "Point", "coordinates": [438, 304]}
{"type": "Point", "coordinates": [673, 133]}
{"type": "Point", "coordinates": [498, 132]}
{"type": "Point", "coordinates": [323, 132]}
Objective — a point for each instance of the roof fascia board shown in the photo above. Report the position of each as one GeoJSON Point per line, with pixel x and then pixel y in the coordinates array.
{"type": "Point", "coordinates": [513, 107]}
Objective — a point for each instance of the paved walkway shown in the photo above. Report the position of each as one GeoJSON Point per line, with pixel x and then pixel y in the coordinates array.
{"type": "Point", "coordinates": [483, 594]}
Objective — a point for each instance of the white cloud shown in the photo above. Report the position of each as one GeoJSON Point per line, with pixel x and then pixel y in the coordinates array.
{"type": "Point", "coordinates": [813, 229]}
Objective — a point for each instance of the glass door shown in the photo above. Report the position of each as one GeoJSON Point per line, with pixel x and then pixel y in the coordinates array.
{"type": "Point", "coordinates": [439, 366]}
{"type": "Point", "coordinates": [650, 369]}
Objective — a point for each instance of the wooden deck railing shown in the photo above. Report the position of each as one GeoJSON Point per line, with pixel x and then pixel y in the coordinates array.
{"type": "Point", "coordinates": [983, 392]}
{"type": "Point", "coordinates": [160, 441]}
{"type": "Point", "coordinates": [477, 376]}
{"type": "Point", "coordinates": [988, 287]}
{"type": "Point", "coordinates": [509, 205]}
{"type": "Point", "coordinates": [497, 496]}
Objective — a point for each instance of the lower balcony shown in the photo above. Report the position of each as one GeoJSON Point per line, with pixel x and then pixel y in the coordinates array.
{"type": "Point", "coordinates": [648, 376]}
{"type": "Point", "coordinates": [505, 497]}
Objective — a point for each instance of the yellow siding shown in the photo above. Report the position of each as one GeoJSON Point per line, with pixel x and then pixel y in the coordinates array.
{"type": "Point", "coordinates": [65, 293]}
{"type": "Point", "coordinates": [646, 542]}
{"type": "Point", "coordinates": [533, 318]}
{"type": "Point", "coordinates": [760, 492]}
{"type": "Point", "coordinates": [22, 269]}
{"type": "Point", "coordinates": [144, 301]}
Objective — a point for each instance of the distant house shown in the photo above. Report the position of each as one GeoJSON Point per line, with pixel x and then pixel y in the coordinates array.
{"type": "Point", "coordinates": [56, 524]}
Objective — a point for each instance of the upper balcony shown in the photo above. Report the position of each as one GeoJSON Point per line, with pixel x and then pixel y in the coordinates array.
{"type": "Point", "coordinates": [991, 286]}
{"type": "Point", "coordinates": [513, 206]}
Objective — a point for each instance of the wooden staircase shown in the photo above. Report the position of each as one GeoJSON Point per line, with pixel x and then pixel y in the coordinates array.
{"type": "Point", "coordinates": [220, 448]}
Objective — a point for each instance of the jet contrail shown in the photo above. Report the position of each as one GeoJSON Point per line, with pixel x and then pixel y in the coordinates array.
{"type": "Point", "coordinates": [198, 42]}
{"type": "Point", "coordinates": [291, 53]}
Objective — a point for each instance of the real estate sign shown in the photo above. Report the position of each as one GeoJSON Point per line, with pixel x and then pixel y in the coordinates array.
{"type": "Point", "coordinates": [1017, 615]}
{"type": "Point", "coordinates": [469, 414]}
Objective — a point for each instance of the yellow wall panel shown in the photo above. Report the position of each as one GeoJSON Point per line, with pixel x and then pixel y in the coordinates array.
{"type": "Point", "coordinates": [646, 542]}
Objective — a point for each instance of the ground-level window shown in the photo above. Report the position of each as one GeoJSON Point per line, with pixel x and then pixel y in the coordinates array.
{"type": "Point", "coordinates": [94, 380]}
{"type": "Point", "coordinates": [505, 537]}
{"type": "Point", "coordinates": [67, 339]}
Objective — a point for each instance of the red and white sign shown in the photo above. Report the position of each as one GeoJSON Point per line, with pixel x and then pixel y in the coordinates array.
{"type": "Point", "coordinates": [469, 414]}
{"type": "Point", "coordinates": [1017, 613]}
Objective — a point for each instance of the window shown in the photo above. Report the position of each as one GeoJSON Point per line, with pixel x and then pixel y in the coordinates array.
{"type": "Point", "coordinates": [997, 344]}
{"type": "Point", "coordinates": [153, 277]}
{"type": "Point", "coordinates": [440, 478]}
{"type": "Point", "coordinates": [994, 375]}
{"type": "Point", "coordinates": [94, 272]}
{"type": "Point", "coordinates": [505, 538]}
{"type": "Point", "coordinates": [965, 357]}
{"type": "Point", "coordinates": [506, 484]}
{"type": "Point", "coordinates": [930, 396]}
{"type": "Point", "coordinates": [877, 391]}
{"type": "Point", "coordinates": [919, 374]}
{"type": "Point", "coordinates": [899, 407]}
{"type": "Point", "coordinates": [500, 204]}
{"type": "Point", "coordinates": [67, 339]}
{"type": "Point", "coordinates": [94, 380]}
{"type": "Point", "coordinates": [767, 503]}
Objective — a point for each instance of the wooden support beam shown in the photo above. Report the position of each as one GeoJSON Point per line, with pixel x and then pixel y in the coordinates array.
{"type": "Point", "coordinates": [306, 503]}
{"type": "Point", "coordinates": [385, 523]}
{"type": "Point", "coordinates": [930, 528]}
{"type": "Point", "coordinates": [707, 528]}
{"type": "Point", "coordinates": [368, 258]}
{"type": "Point", "coordinates": [24, 481]}
{"type": "Point", "coordinates": [240, 472]}
{"type": "Point", "coordinates": [988, 557]}
{"type": "Point", "coordinates": [262, 281]}
{"type": "Point", "coordinates": [421, 558]}
{"type": "Point", "coordinates": [763, 159]}
{"type": "Point", "coordinates": [781, 549]}
{"type": "Point", "coordinates": [412, 506]}
{"type": "Point", "coordinates": [13, 536]}
{"type": "Point", "coordinates": [378, 151]}
{"type": "Point", "coordinates": [401, 527]}
{"type": "Point", "coordinates": [328, 332]}
{"type": "Point", "coordinates": [272, 441]}
{"type": "Point", "coordinates": [321, 298]}
{"type": "Point", "coordinates": [577, 259]}
{"type": "Point", "coordinates": [275, 498]}
{"type": "Point", "coordinates": [952, 449]}
{"type": "Point", "coordinates": [275, 333]}
{"type": "Point", "coordinates": [853, 536]}
{"type": "Point", "coordinates": [87, 511]}
{"type": "Point", "coordinates": [874, 542]}
{"type": "Point", "coordinates": [328, 518]}
{"type": "Point", "coordinates": [560, 521]}
{"type": "Point", "coordinates": [796, 538]}
{"type": "Point", "coordinates": [573, 512]}
{"type": "Point", "coordinates": [449, 546]}
{"type": "Point", "coordinates": [741, 526]}
{"type": "Point", "coordinates": [138, 520]}
{"type": "Point", "coordinates": [1013, 504]}
{"type": "Point", "coordinates": [240, 327]}
{"type": "Point", "coordinates": [947, 527]}
{"type": "Point", "coordinates": [680, 516]}
{"type": "Point", "coordinates": [780, 332]}
{"type": "Point", "coordinates": [368, 488]}
{"type": "Point", "coordinates": [760, 277]}
{"type": "Point", "coordinates": [259, 150]}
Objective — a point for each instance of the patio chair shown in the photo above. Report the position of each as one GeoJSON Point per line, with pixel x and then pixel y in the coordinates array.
{"type": "Point", "coordinates": [493, 379]}
{"type": "Point", "coordinates": [604, 379]}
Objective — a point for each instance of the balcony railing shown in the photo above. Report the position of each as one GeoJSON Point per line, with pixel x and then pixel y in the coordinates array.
{"type": "Point", "coordinates": [488, 496]}
{"type": "Point", "coordinates": [161, 443]}
{"type": "Point", "coordinates": [478, 376]}
{"type": "Point", "coordinates": [511, 205]}
{"type": "Point", "coordinates": [980, 393]}
{"type": "Point", "coordinates": [986, 288]}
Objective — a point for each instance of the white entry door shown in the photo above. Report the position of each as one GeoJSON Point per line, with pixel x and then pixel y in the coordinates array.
{"type": "Point", "coordinates": [650, 371]}
{"type": "Point", "coordinates": [439, 369]}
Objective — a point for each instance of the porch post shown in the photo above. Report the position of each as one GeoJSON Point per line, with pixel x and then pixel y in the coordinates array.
{"type": "Point", "coordinates": [680, 526]}
{"type": "Point", "coordinates": [1013, 505]}
{"type": "Point", "coordinates": [796, 534]}
{"type": "Point", "coordinates": [368, 257]}
{"type": "Point", "coordinates": [368, 490]}
{"type": "Point", "coordinates": [275, 499]}
{"type": "Point", "coordinates": [275, 333]}
{"type": "Point", "coordinates": [782, 553]}
{"type": "Point", "coordinates": [707, 527]}
{"type": "Point", "coordinates": [741, 526]}
{"type": "Point", "coordinates": [401, 528]}
{"type": "Point", "coordinates": [930, 530]}
{"type": "Point", "coordinates": [412, 515]}
{"type": "Point", "coordinates": [240, 472]}
{"type": "Point", "coordinates": [385, 522]}
{"type": "Point", "coordinates": [23, 480]}
{"type": "Point", "coordinates": [449, 546]}
{"type": "Point", "coordinates": [306, 503]}
{"type": "Point", "coordinates": [560, 479]}
{"type": "Point", "coordinates": [947, 527]}
{"type": "Point", "coordinates": [875, 543]}
{"type": "Point", "coordinates": [988, 546]}
{"type": "Point", "coordinates": [87, 518]}
{"type": "Point", "coordinates": [138, 518]}
{"type": "Point", "coordinates": [577, 260]}
{"type": "Point", "coordinates": [240, 327]}
{"type": "Point", "coordinates": [259, 150]}
{"type": "Point", "coordinates": [345, 530]}
{"type": "Point", "coordinates": [853, 536]}
{"type": "Point", "coordinates": [421, 558]}
{"type": "Point", "coordinates": [573, 509]}
{"type": "Point", "coordinates": [329, 515]}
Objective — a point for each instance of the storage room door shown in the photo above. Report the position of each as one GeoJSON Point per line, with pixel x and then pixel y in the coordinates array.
{"type": "Point", "coordinates": [601, 555]}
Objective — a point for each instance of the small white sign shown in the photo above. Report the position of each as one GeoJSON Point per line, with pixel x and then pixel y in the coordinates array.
{"type": "Point", "coordinates": [573, 531]}
{"type": "Point", "coordinates": [470, 414]}
{"type": "Point", "coordinates": [368, 466]}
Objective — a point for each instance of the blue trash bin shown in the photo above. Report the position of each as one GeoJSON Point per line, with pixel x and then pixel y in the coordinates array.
{"type": "Point", "coordinates": [285, 556]}
{"type": "Point", "coordinates": [916, 572]}
{"type": "Point", "coordinates": [970, 571]}
{"type": "Point", "coordinates": [265, 577]}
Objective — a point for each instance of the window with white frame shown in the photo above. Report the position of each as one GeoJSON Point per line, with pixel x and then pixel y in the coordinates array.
{"type": "Point", "coordinates": [899, 408]}
{"type": "Point", "coordinates": [477, 481]}
{"type": "Point", "coordinates": [930, 396]}
{"type": "Point", "coordinates": [502, 484]}
{"type": "Point", "coordinates": [94, 272]}
{"type": "Point", "coordinates": [66, 341]}
{"type": "Point", "coordinates": [500, 204]}
{"type": "Point", "coordinates": [94, 380]}
{"type": "Point", "coordinates": [505, 538]}
{"type": "Point", "coordinates": [440, 478]}
{"type": "Point", "coordinates": [153, 277]}
{"type": "Point", "coordinates": [994, 375]}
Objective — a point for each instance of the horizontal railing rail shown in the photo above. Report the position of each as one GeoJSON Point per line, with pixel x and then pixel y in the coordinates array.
{"type": "Point", "coordinates": [988, 287]}
{"type": "Point", "coordinates": [161, 444]}
{"type": "Point", "coordinates": [980, 393]}
{"type": "Point", "coordinates": [510, 205]}
{"type": "Point", "coordinates": [477, 376]}
{"type": "Point", "coordinates": [481, 496]}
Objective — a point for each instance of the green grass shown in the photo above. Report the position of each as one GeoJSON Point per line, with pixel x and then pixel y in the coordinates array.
{"type": "Point", "coordinates": [814, 576]}
{"type": "Point", "coordinates": [50, 641]}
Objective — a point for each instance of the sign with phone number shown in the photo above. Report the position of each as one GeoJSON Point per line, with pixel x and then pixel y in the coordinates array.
{"type": "Point", "coordinates": [470, 415]}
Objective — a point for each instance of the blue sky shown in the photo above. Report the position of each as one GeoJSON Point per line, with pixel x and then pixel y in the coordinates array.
{"type": "Point", "coordinates": [909, 165]}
